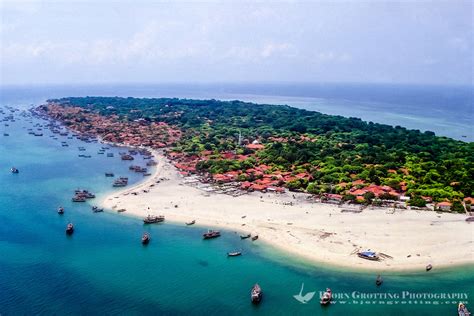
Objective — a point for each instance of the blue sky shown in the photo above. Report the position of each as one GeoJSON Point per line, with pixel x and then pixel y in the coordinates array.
{"type": "Point", "coordinates": [236, 41]}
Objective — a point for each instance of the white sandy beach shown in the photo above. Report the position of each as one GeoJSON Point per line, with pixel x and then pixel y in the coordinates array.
{"type": "Point", "coordinates": [314, 231]}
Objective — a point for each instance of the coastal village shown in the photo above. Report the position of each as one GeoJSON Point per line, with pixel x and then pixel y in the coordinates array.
{"type": "Point", "coordinates": [260, 177]}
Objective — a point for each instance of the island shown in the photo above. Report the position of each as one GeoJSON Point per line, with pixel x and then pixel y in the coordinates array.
{"type": "Point", "coordinates": [320, 186]}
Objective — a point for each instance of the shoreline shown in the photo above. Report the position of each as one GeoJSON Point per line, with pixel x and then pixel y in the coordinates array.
{"type": "Point", "coordinates": [315, 233]}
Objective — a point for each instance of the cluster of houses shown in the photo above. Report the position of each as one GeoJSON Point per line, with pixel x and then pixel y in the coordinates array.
{"type": "Point", "coordinates": [135, 133]}
{"type": "Point", "coordinates": [258, 178]}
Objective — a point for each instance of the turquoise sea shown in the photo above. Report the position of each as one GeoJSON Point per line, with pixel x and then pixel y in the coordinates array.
{"type": "Point", "coordinates": [103, 268]}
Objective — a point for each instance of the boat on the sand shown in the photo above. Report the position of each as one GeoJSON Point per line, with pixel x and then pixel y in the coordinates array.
{"type": "Point", "coordinates": [429, 267]}
{"type": "Point", "coordinates": [245, 236]}
{"type": "Point", "coordinates": [191, 223]}
{"type": "Point", "coordinates": [254, 237]}
{"type": "Point", "coordinates": [368, 255]}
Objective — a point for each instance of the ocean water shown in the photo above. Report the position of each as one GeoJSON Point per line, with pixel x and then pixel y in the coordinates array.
{"type": "Point", "coordinates": [104, 269]}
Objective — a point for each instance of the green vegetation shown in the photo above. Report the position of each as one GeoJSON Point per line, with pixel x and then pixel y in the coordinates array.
{"type": "Point", "coordinates": [332, 149]}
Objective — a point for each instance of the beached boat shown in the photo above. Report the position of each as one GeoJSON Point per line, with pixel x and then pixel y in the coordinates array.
{"type": "Point", "coordinates": [121, 210]}
{"type": "Point", "coordinates": [254, 237]}
{"type": "Point", "coordinates": [234, 254]}
{"type": "Point", "coordinates": [69, 229]}
{"type": "Point", "coordinates": [256, 294]}
{"type": "Point", "coordinates": [60, 210]}
{"type": "Point", "coordinates": [191, 223]}
{"type": "Point", "coordinates": [470, 219]}
{"type": "Point", "coordinates": [245, 236]}
{"type": "Point", "coordinates": [429, 267]}
{"type": "Point", "coordinates": [211, 234]}
{"type": "Point", "coordinates": [462, 310]}
{"type": "Point", "coordinates": [326, 298]}
{"type": "Point", "coordinates": [379, 280]}
{"type": "Point", "coordinates": [14, 170]}
{"type": "Point", "coordinates": [368, 255]}
{"type": "Point", "coordinates": [145, 239]}
{"type": "Point", "coordinates": [151, 219]}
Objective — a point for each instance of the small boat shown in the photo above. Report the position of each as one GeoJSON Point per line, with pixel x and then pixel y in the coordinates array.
{"type": "Point", "coordinates": [470, 219]}
{"type": "Point", "coordinates": [211, 234]}
{"type": "Point", "coordinates": [61, 210]}
{"type": "Point", "coordinates": [110, 155]}
{"type": "Point", "coordinates": [256, 294]}
{"type": "Point", "coordinates": [429, 267]}
{"type": "Point", "coordinates": [14, 170]}
{"type": "Point", "coordinates": [368, 255]}
{"type": "Point", "coordinates": [462, 310]}
{"type": "Point", "coordinates": [121, 210]}
{"type": "Point", "coordinates": [191, 223]}
{"type": "Point", "coordinates": [245, 236]}
{"type": "Point", "coordinates": [379, 280]}
{"type": "Point", "coordinates": [145, 239]}
{"type": "Point", "coordinates": [254, 237]}
{"type": "Point", "coordinates": [96, 209]}
{"type": "Point", "coordinates": [234, 254]}
{"type": "Point", "coordinates": [326, 298]}
{"type": "Point", "coordinates": [69, 229]}
{"type": "Point", "coordinates": [78, 199]}
{"type": "Point", "coordinates": [109, 174]}
{"type": "Point", "coordinates": [151, 219]}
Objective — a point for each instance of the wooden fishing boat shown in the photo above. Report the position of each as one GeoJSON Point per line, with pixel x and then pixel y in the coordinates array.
{"type": "Point", "coordinates": [61, 210]}
{"type": "Point", "coordinates": [256, 294]}
{"type": "Point", "coordinates": [96, 209]}
{"type": "Point", "coordinates": [234, 254]}
{"type": "Point", "coordinates": [379, 280]}
{"type": "Point", "coordinates": [151, 219]}
{"type": "Point", "coordinates": [429, 267]}
{"type": "Point", "coordinates": [326, 298]}
{"type": "Point", "coordinates": [211, 234]}
{"type": "Point", "coordinates": [69, 229]}
{"type": "Point", "coordinates": [462, 310]}
{"type": "Point", "coordinates": [368, 255]}
{"type": "Point", "coordinates": [145, 238]}
{"type": "Point", "coordinates": [191, 223]}
{"type": "Point", "coordinates": [245, 236]}
{"type": "Point", "coordinates": [254, 237]}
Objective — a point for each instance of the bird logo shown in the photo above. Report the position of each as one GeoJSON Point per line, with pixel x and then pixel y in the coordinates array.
{"type": "Point", "coordinates": [304, 298]}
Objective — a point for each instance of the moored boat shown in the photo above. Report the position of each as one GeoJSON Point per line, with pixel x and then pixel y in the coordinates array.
{"type": "Point", "coordinates": [60, 210]}
{"type": "Point", "coordinates": [211, 234]}
{"type": "Point", "coordinates": [326, 298]}
{"type": "Point", "coordinates": [96, 209]}
{"type": "Point", "coordinates": [254, 237]}
{"type": "Point", "coordinates": [78, 199]}
{"type": "Point", "coordinates": [462, 310]}
{"type": "Point", "coordinates": [368, 255]}
{"type": "Point", "coordinates": [379, 280]}
{"type": "Point", "coordinates": [109, 174]}
{"type": "Point", "coordinates": [245, 236]}
{"type": "Point", "coordinates": [234, 254]}
{"type": "Point", "coordinates": [69, 229]}
{"type": "Point", "coordinates": [14, 170]}
{"type": "Point", "coordinates": [151, 219]}
{"type": "Point", "coordinates": [145, 238]}
{"type": "Point", "coordinates": [256, 294]}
